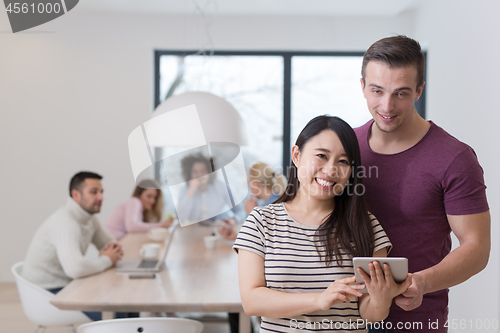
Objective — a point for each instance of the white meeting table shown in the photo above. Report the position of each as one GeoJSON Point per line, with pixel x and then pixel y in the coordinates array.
{"type": "Point", "coordinates": [193, 279]}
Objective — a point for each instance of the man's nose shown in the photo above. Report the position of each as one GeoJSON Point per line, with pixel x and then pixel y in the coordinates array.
{"type": "Point", "coordinates": [386, 104]}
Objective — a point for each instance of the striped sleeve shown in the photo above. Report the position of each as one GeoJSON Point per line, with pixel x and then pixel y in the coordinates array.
{"type": "Point", "coordinates": [380, 238]}
{"type": "Point", "coordinates": [251, 236]}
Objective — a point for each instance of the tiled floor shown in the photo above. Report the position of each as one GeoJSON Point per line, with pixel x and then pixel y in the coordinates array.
{"type": "Point", "coordinates": [13, 320]}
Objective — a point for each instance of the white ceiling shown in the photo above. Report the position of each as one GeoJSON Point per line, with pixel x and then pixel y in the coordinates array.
{"type": "Point", "coordinates": [380, 8]}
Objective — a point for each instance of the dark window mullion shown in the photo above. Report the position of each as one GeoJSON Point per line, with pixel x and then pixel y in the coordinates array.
{"type": "Point", "coordinates": [157, 152]}
{"type": "Point", "coordinates": [287, 96]}
{"type": "Point", "coordinates": [157, 78]}
{"type": "Point", "coordinates": [420, 104]}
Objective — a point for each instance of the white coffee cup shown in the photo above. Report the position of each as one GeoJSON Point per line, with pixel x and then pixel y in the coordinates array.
{"type": "Point", "coordinates": [150, 250]}
{"type": "Point", "coordinates": [210, 242]}
{"type": "Point", "coordinates": [158, 234]}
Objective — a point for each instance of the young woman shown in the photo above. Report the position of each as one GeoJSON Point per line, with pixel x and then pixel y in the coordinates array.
{"type": "Point", "coordinates": [140, 213]}
{"type": "Point", "coordinates": [295, 256]}
{"type": "Point", "coordinates": [265, 186]}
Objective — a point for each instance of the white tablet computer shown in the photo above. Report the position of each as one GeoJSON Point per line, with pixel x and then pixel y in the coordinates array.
{"type": "Point", "coordinates": [398, 266]}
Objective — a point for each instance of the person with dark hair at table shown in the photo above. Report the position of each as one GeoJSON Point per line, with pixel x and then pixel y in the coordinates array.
{"type": "Point", "coordinates": [204, 198]}
{"type": "Point", "coordinates": [56, 254]}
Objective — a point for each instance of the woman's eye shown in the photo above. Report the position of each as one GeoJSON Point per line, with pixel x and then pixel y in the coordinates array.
{"type": "Point", "coordinates": [344, 162]}
{"type": "Point", "coordinates": [322, 156]}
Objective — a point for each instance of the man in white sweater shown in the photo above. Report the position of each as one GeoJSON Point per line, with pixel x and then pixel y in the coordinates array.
{"type": "Point", "coordinates": [56, 254]}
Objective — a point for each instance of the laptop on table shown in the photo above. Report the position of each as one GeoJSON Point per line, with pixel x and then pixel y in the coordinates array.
{"type": "Point", "coordinates": [139, 265]}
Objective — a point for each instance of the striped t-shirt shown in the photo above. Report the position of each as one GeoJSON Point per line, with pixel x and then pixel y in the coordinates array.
{"type": "Point", "coordinates": [292, 265]}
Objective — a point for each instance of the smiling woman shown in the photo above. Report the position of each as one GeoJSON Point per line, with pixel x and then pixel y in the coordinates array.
{"type": "Point", "coordinates": [322, 159]}
{"type": "Point", "coordinates": [295, 256]}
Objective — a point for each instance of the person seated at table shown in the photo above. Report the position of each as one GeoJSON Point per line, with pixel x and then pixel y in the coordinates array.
{"type": "Point", "coordinates": [203, 198]}
{"type": "Point", "coordinates": [140, 213]}
{"type": "Point", "coordinates": [56, 254]}
{"type": "Point", "coordinates": [266, 187]}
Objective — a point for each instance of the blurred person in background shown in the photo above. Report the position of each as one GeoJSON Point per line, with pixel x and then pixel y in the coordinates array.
{"type": "Point", "coordinates": [140, 213]}
{"type": "Point", "coordinates": [204, 197]}
{"type": "Point", "coordinates": [56, 254]}
{"type": "Point", "coordinates": [266, 187]}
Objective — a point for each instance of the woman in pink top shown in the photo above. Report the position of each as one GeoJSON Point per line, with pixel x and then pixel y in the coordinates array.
{"type": "Point", "coordinates": [139, 213]}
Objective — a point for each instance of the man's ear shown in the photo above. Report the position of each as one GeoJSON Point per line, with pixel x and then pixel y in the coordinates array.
{"type": "Point", "coordinates": [362, 81]}
{"type": "Point", "coordinates": [76, 195]}
{"type": "Point", "coordinates": [419, 91]}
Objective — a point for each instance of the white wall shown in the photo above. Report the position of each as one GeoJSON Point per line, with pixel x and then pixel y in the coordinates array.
{"type": "Point", "coordinates": [463, 74]}
{"type": "Point", "coordinates": [69, 97]}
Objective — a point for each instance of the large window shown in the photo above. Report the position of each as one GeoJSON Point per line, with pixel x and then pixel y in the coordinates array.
{"type": "Point", "coordinates": [252, 84]}
{"type": "Point", "coordinates": [326, 85]}
{"type": "Point", "coordinates": [276, 93]}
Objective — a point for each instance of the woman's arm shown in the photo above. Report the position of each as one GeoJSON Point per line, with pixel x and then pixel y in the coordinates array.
{"type": "Point", "coordinates": [259, 300]}
{"type": "Point", "coordinates": [187, 207]}
{"type": "Point", "coordinates": [382, 288]}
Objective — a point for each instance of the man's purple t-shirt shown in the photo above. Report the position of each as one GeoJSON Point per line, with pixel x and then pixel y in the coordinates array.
{"type": "Point", "coordinates": [411, 193]}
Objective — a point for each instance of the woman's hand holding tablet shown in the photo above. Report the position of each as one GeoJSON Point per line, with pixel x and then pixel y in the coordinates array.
{"type": "Point", "coordinates": [381, 268]}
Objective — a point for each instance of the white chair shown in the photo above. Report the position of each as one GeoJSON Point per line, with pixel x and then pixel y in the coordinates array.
{"type": "Point", "coordinates": [35, 302]}
{"type": "Point", "coordinates": [144, 325]}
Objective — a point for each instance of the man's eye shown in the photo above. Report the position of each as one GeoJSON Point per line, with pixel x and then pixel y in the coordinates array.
{"type": "Point", "coordinates": [377, 91]}
{"type": "Point", "coordinates": [401, 94]}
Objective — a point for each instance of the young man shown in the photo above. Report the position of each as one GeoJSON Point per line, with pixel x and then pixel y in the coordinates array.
{"type": "Point", "coordinates": [427, 184]}
{"type": "Point", "coordinates": [57, 251]}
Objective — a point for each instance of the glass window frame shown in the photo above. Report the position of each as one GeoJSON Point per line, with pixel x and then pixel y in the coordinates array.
{"type": "Point", "coordinates": [287, 82]}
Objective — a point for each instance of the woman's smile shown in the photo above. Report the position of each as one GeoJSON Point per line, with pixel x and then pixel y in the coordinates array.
{"type": "Point", "coordinates": [325, 183]}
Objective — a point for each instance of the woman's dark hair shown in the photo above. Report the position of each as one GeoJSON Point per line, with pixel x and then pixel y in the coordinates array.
{"type": "Point", "coordinates": [348, 227]}
{"type": "Point", "coordinates": [188, 162]}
